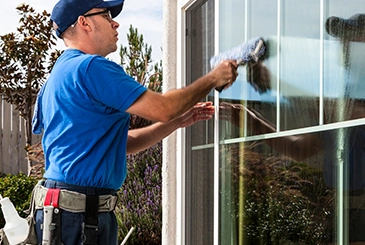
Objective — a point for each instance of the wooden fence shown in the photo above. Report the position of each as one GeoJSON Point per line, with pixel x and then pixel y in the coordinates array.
{"type": "Point", "coordinates": [12, 153]}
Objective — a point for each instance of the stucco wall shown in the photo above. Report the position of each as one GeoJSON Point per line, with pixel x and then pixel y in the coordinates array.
{"type": "Point", "coordinates": [169, 149]}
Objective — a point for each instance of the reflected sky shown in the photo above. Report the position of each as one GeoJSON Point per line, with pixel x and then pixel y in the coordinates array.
{"type": "Point", "coordinates": [303, 77]}
{"type": "Point", "coordinates": [300, 47]}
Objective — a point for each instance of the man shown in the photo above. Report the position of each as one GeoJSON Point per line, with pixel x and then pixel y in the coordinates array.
{"type": "Point", "coordinates": [83, 111]}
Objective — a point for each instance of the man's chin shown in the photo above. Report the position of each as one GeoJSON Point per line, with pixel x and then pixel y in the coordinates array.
{"type": "Point", "coordinates": [112, 50]}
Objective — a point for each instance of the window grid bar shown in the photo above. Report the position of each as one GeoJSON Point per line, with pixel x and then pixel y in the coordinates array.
{"type": "Point", "coordinates": [216, 132]}
{"type": "Point", "coordinates": [278, 67]}
{"type": "Point", "coordinates": [321, 63]}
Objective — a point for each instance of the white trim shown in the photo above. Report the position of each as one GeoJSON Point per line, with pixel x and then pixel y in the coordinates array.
{"type": "Point", "coordinates": [307, 130]}
{"type": "Point", "coordinates": [321, 63]}
{"type": "Point", "coordinates": [182, 7]}
{"type": "Point", "coordinates": [185, 4]}
{"type": "Point", "coordinates": [181, 168]}
{"type": "Point", "coordinates": [216, 132]}
{"type": "Point", "coordinates": [180, 188]}
{"type": "Point", "coordinates": [216, 169]}
{"type": "Point", "coordinates": [278, 67]}
{"type": "Point", "coordinates": [181, 164]}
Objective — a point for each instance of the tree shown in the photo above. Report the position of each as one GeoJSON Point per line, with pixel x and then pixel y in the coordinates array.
{"type": "Point", "coordinates": [140, 201]}
{"type": "Point", "coordinates": [26, 60]}
{"type": "Point", "coordinates": [136, 59]}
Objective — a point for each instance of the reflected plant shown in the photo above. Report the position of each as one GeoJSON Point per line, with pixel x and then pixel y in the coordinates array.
{"type": "Point", "coordinates": [285, 202]}
{"type": "Point", "coordinates": [140, 198]}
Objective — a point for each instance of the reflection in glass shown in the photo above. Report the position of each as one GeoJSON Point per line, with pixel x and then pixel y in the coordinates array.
{"type": "Point", "coordinates": [344, 67]}
{"type": "Point", "coordinates": [277, 202]}
{"type": "Point", "coordinates": [298, 189]}
{"type": "Point", "coordinates": [241, 21]}
{"type": "Point", "coordinates": [271, 198]}
{"type": "Point", "coordinates": [299, 63]}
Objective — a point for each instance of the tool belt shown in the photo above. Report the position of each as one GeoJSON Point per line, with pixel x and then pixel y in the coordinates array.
{"type": "Point", "coordinates": [73, 201]}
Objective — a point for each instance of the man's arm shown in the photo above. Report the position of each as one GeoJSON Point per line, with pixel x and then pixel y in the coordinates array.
{"type": "Point", "coordinates": [142, 138]}
{"type": "Point", "coordinates": [167, 106]}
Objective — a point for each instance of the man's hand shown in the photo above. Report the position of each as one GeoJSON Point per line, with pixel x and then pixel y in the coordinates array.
{"type": "Point", "coordinates": [225, 73]}
{"type": "Point", "coordinates": [201, 111]}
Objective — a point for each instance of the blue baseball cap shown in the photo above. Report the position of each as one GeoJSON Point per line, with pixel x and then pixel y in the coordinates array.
{"type": "Point", "coordinates": [66, 12]}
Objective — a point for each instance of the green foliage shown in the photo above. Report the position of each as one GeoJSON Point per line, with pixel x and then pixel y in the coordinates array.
{"type": "Point", "coordinates": [23, 56]}
{"type": "Point", "coordinates": [136, 59]}
{"type": "Point", "coordinates": [18, 188]}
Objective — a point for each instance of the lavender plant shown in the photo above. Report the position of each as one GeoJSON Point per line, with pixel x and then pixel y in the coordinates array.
{"type": "Point", "coordinates": [140, 198]}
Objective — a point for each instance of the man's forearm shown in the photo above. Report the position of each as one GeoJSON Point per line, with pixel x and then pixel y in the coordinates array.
{"type": "Point", "coordinates": [142, 138]}
{"type": "Point", "coordinates": [167, 106]}
{"type": "Point", "coordinates": [181, 100]}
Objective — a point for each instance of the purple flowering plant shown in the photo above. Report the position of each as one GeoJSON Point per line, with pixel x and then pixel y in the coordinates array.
{"type": "Point", "coordinates": [139, 204]}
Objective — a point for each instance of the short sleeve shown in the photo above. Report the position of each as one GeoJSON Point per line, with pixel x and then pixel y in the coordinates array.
{"type": "Point", "coordinates": [108, 83]}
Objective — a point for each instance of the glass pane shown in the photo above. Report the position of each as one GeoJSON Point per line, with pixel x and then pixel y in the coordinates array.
{"type": "Point", "coordinates": [299, 63]}
{"type": "Point", "coordinates": [298, 189]}
{"type": "Point", "coordinates": [256, 84]}
{"type": "Point", "coordinates": [269, 195]}
{"type": "Point", "coordinates": [344, 47]}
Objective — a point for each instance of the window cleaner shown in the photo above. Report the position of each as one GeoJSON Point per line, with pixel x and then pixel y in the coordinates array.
{"type": "Point", "coordinates": [248, 52]}
{"type": "Point", "coordinates": [16, 228]}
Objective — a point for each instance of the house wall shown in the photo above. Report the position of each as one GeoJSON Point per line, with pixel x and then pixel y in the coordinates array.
{"type": "Point", "coordinates": [170, 164]}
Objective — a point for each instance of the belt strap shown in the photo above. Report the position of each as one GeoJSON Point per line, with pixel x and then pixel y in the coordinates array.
{"type": "Point", "coordinates": [52, 197]}
{"type": "Point", "coordinates": [57, 220]}
{"type": "Point", "coordinates": [90, 226]}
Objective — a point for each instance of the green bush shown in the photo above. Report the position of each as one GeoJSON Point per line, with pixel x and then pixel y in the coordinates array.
{"type": "Point", "coordinates": [19, 189]}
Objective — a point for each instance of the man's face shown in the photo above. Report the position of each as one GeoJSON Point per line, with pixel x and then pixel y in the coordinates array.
{"type": "Point", "coordinates": [104, 32]}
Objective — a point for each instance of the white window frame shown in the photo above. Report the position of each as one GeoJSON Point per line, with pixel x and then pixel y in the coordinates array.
{"type": "Point", "coordinates": [182, 7]}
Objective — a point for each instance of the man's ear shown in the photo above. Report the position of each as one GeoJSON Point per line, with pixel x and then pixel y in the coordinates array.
{"type": "Point", "coordinates": [84, 23]}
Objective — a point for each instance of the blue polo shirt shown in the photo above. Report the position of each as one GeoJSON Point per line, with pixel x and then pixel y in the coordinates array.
{"type": "Point", "coordinates": [81, 112]}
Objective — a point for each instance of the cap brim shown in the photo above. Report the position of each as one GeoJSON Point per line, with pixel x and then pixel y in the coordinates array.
{"type": "Point", "coordinates": [115, 7]}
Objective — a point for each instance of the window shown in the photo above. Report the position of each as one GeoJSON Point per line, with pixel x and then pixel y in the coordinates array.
{"type": "Point", "coordinates": [199, 162]}
{"type": "Point", "coordinates": [292, 151]}
{"type": "Point", "coordinates": [292, 139]}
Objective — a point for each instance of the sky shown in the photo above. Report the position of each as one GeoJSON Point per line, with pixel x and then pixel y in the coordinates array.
{"type": "Point", "coordinates": [145, 15]}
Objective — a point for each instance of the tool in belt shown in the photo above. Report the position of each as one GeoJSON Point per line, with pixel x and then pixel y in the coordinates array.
{"type": "Point", "coordinates": [52, 201]}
